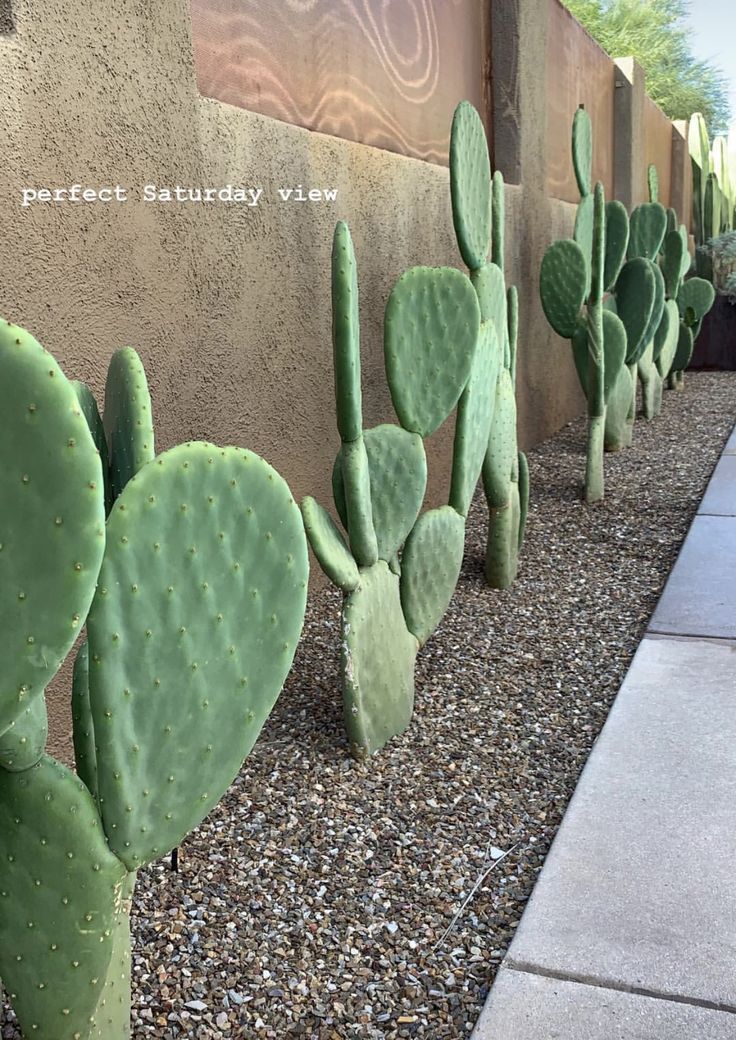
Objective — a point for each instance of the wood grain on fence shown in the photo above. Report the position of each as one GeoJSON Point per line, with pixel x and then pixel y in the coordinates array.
{"type": "Point", "coordinates": [386, 73]}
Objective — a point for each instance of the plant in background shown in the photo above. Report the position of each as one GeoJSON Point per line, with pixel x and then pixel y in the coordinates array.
{"type": "Point", "coordinates": [193, 594]}
{"type": "Point", "coordinates": [574, 276]}
{"type": "Point", "coordinates": [479, 219]}
{"type": "Point", "coordinates": [398, 570]}
{"type": "Point", "coordinates": [714, 189]}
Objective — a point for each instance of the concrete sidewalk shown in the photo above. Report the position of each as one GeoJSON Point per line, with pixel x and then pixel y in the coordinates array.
{"type": "Point", "coordinates": [630, 932]}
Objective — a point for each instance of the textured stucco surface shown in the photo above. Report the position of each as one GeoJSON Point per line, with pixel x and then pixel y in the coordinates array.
{"type": "Point", "coordinates": [227, 305]}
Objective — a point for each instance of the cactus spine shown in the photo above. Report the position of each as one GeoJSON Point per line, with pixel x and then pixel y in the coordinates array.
{"type": "Point", "coordinates": [193, 594]}
{"type": "Point", "coordinates": [478, 217]}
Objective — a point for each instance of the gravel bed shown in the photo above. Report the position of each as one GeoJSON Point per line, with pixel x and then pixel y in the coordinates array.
{"type": "Point", "coordinates": [328, 900]}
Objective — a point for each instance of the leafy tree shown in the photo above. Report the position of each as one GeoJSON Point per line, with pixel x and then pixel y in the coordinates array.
{"type": "Point", "coordinates": [653, 32]}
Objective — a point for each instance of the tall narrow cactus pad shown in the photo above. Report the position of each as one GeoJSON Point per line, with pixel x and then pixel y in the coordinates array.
{"type": "Point", "coordinates": [667, 338]}
{"type": "Point", "coordinates": [88, 404]}
{"type": "Point", "coordinates": [562, 285]}
{"type": "Point", "coordinates": [524, 485]}
{"type": "Point", "coordinates": [52, 520]}
{"type": "Point", "coordinates": [684, 350]}
{"type": "Point", "coordinates": [430, 567]}
{"type": "Point", "coordinates": [128, 418]}
{"type": "Point", "coordinates": [583, 233]}
{"type": "Point", "coordinates": [490, 289]}
{"type": "Point", "coordinates": [636, 292]}
{"type": "Point", "coordinates": [378, 656]}
{"type": "Point", "coordinates": [474, 419]}
{"type": "Point", "coordinates": [618, 405]}
{"type": "Point", "coordinates": [430, 333]}
{"type": "Point", "coordinates": [653, 183]}
{"type": "Point", "coordinates": [470, 185]}
{"type": "Point", "coordinates": [672, 262]}
{"type": "Point", "coordinates": [196, 618]}
{"type": "Point", "coordinates": [85, 756]}
{"type": "Point", "coordinates": [617, 241]}
{"type": "Point", "coordinates": [500, 483]}
{"type": "Point", "coordinates": [614, 353]}
{"type": "Point", "coordinates": [346, 334]}
{"type": "Point", "coordinates": [62, 890]}
{"type": "Point", "coordinates": [358, 509]}
{"type": "Point", "coordinates": [582, 150]}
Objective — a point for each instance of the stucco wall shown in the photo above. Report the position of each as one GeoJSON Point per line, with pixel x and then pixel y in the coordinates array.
{"type": "Point", "coordinates": [228, 305]}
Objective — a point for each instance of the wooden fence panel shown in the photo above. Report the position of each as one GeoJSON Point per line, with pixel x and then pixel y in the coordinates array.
{"type": "Point", "coordinates": [386, 73]}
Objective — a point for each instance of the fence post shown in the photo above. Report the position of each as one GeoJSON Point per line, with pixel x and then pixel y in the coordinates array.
{"type": "Point", "coordinates": [629, 173]}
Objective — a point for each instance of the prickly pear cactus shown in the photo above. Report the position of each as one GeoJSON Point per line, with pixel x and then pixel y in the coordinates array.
{"type": "Point", "coordinates": [575, 276]}
{"type": "Point", "coordinates": [199, 583]}
{"type": "Point", "coordinates": [397, 569]}
{"type": "Point", "coordinates": [478, 216]}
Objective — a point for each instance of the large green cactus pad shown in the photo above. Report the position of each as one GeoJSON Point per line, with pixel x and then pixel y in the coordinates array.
{"type": "Point", "coordinates": [470, 185]}
{"type": "Point", "coordinates": [192, 631]}
{"type": "Point", "coordinates": [474, 418]}
{"type": "Point", "coordinates": [430, 567]}
{"type": "Point", "coordinates": [695, 299]}
{"type": "Point", "coordinates": [397, 467]}
{"type": "Point", "coordinates": [378, 655]}
{"type": "Point", "coordinates": [659, 302]}
{"type": "Point", "coordinates": [582, 150]}
{"type": "Point", "coordinates": [88, 404]}
{"type": "Point", "coordinates": [24, 741]}
{"type": "Point", "coordinates": [430, 334]}
{"type": "Point", "coordinates": [617, 240]}
{"type": "Point", "coordinates": [85, 756]}
{"type": "Point", "coordinates": [636, 291]}
{"type": "Point", "coordinates": [583, 234]}
{"type": "Point", "coordinates": [329, 545]}
{"type": "Point", "coordinates": [52, 520]}
{"type": "Point", "coordinates": [128, 418]}
{"type": "Point", "coordinates": [563, 280]}
{"type": "Point", "coordinates": [346, 334]}
{"type": "Point", "coordinates": [647, 227]}
{"type": "Point", "coordinates": [61, 890]}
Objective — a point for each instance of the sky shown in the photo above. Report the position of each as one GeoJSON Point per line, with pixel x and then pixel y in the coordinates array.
{"type": "Point", "coordinates": [713, 36]}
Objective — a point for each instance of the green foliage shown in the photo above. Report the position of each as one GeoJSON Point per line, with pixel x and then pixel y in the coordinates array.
{"type": "Point", "coordinates": [653, 32]}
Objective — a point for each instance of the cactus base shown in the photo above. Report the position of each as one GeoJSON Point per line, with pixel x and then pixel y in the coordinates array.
{"type": "Point", "coordinates": [502, 549]}
{"type": "Point", "coordinates": [594, 481]}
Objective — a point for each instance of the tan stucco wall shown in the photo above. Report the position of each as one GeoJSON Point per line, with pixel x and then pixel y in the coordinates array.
{"type": "Point", "coordinates": [228, 306]}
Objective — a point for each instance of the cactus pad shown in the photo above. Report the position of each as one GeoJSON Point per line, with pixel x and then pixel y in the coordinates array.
{"type": "Point", "coordinates": [85, 756]}
{"type": "Point", "coordinates": [430, 334]}
{"type": "Point", "coordinates": [684, 350]}
{"type": "Point", "coordinates": [329, 546]}
{"type": "Point", "coordinates": [353, 462]}
{"type": "Point", "coordinates": [667, 338]}
{"type": "Point", "coordinates": [618, 405]}
{"type": "Point", "coordinates": [474, 418]}
{"type": "Point", "coordinates": [562, 285]}
{"type": "Point", "coordinates": [61, 890]}
{"type": "Point", "coordinates": [695, 299]}
{"type": "Point", "coordinates": [490, 289]}
{"type": "Point", "coordinates": [430, 567]}
{"type": "Point", "coordinates": [397, 467]}
{"type": "Point", "coordinates": [378, 654]}
{"type": "Point", "coordinates": [647, 227]}
{"type": "Point", "coordinates": [501, 456]}
{"type": "Point", "coordinates": [52, 522]}
{"type": "Point", "coordinates": [617, 240]}
{"type": "Point", "coordinates": [582, 150]}
{"type": "Point", "coordinates": [470, 185]}
{"type": "Point", "coordinates": [673, 248]}
{"type": "Point", "coordinates": [523, 496]}
{"type": "Point", "coordinates": [24, 741]}
{"type": "Point", "coordinates": [653, 183]}
{"type": "Point", "coordinates": [346, 334]}
{"type": "Point", "coordinates": [88, 404]}
{"type": "Point", "coordinates": [583, 233]}
{"type": "Point", "coordinates": [128, 418]}
{"type": "Point", "coordinates": [614, 352]}
{"type": "Point", "coordinates": [196, 618]}
{"type": "Point", "coordinates": [636, 292]}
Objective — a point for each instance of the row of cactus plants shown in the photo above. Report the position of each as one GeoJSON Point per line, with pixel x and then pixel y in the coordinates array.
{"type": "Point", "coordinates": [189, 569]}
{"type": "Point", "coordinates": [617, 290]}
